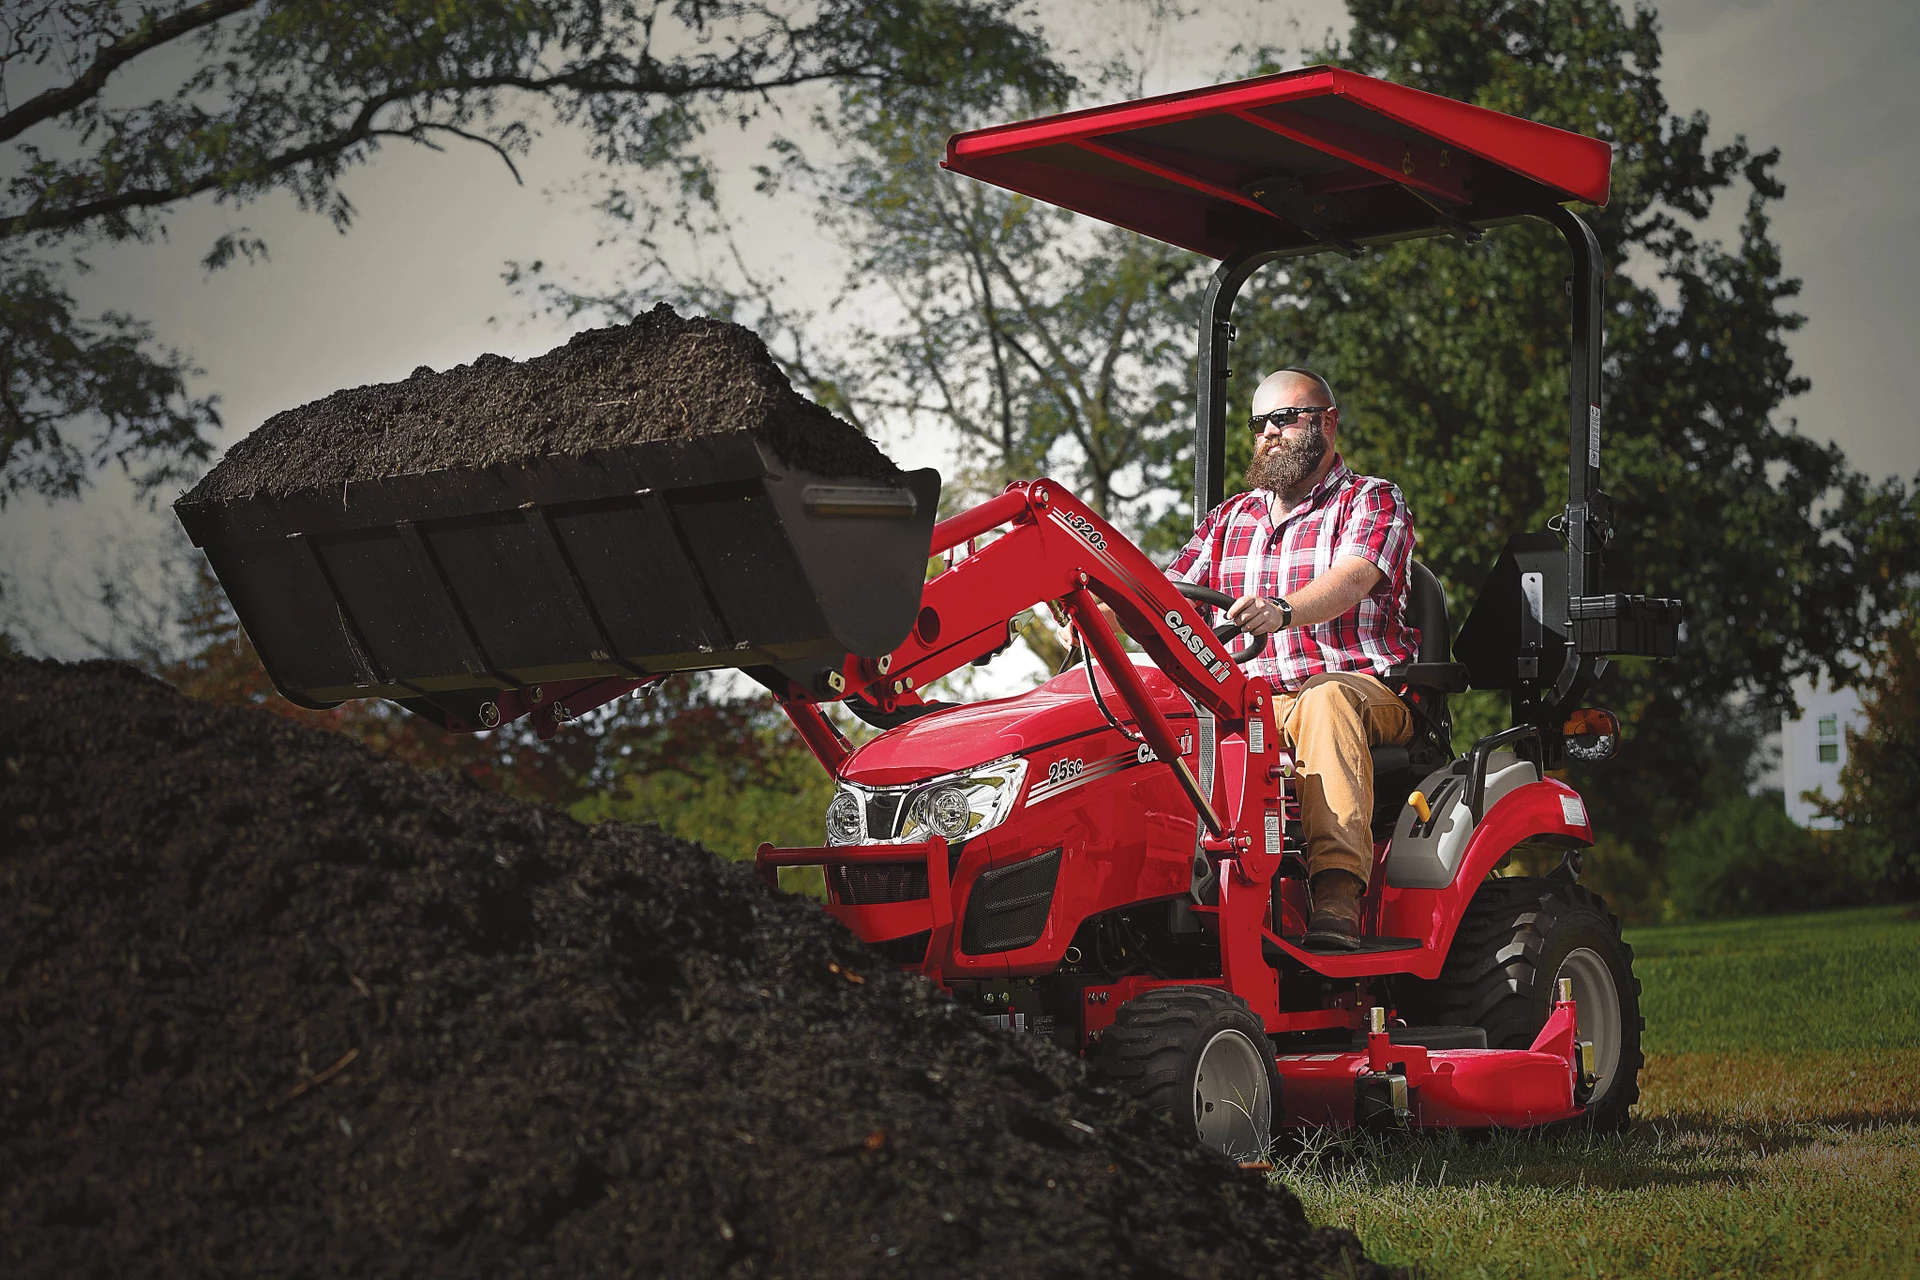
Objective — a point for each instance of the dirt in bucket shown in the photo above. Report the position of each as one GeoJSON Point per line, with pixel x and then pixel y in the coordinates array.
{"type": "Point", "coordinates": [662, 377]}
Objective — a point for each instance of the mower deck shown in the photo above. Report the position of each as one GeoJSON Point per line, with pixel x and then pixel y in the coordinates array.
{"type": "Point", "coordinates": [1459, 1089]}
{"type": "Point", "coordinates": [1389, 1085]}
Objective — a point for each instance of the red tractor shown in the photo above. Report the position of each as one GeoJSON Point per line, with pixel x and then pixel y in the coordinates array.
{"type": "Point", "coordinates": [1111, 860]}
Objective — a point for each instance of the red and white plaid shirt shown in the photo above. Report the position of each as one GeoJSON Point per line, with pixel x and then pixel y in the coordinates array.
{"type": "Point", "coordinates": [1238, 550]}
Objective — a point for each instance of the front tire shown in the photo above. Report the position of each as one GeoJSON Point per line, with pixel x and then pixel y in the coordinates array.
{"type": "Point", "coordinates": [1520, 935]}
{"type": "Point", "coordinates": [1199, 1055]}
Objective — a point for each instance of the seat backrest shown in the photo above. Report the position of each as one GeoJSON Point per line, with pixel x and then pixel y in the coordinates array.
{"type": "Point", "coordinates": [1427, 610]}
{"type": "Point", "coordinates": [1400, 767]}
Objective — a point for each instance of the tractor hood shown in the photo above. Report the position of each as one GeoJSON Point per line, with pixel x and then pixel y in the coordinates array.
{"type": "Point", "coordinates": [961, 737]}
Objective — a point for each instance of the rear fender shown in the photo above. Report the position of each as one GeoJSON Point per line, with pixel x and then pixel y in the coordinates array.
{"type": "Point", "coordinates": [1427, 853]}
{"type": "Point", "coordinates": [1547, 808]}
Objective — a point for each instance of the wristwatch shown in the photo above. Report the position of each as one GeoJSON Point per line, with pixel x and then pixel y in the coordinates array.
{"type": "Point", "coordinates": [1286, 611]}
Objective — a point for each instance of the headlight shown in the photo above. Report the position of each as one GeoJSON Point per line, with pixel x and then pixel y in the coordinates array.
{"type": "Point", "coordinates": [846, 824]}
{"type": "Point", "coordinates": [963, 806]}
{"type": "Point", "coordinates": [946, 811]}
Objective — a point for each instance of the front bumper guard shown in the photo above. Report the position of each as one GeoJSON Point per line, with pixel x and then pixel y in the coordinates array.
{"type": "Point", "coordinates": [879, 921]}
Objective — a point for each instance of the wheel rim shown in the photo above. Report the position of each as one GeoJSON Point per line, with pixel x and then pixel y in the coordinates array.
{"type": "Point", "coordinates": [1232, 1107]}
{"type": "Point", "coordinates": [1596, 1010]}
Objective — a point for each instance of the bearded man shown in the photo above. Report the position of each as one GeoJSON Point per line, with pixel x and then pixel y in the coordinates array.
{"type": "Point", "coordinates": [1318, 558]}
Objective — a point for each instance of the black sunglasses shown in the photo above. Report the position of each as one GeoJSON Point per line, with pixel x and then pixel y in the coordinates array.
{"type": "Point", "coordinates": [1283, 417]}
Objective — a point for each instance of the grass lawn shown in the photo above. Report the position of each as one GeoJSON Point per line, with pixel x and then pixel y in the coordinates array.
{"type": "Point", "coordinates": [1778, 1132]}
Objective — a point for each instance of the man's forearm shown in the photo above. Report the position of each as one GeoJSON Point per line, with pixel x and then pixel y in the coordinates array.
{"type": "Point", "coordinates": [1345, 584]}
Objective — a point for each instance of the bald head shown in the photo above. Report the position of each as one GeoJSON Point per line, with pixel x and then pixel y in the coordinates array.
{"type": "Point", "coordinates": [1300, 388]}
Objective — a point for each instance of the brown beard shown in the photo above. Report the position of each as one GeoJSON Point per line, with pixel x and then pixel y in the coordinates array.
{"type": "Point", "coordinates": [1286, 467]}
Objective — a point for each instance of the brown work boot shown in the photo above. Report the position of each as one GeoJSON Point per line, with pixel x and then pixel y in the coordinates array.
{"type": "Point", "coordinates": [1336, 910]}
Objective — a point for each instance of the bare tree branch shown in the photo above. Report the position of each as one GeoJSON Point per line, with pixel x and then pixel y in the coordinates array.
{"type": "Point", "coordinates": [361, 130]}
{"type": "Point", "coordinates": [151, 34]}
{"type": "Point", "coordinates": [506, 158]}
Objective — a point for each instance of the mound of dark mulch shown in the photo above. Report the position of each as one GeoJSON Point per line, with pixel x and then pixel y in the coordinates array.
{"type": "Point", "coordinates": [662, 377]}
{"type": "Point", "coordinates": [270, 1004]}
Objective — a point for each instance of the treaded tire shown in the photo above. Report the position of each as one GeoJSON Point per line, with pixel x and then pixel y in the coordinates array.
{"type": "Point", "coordinates": [1154, 1053]}
{"type": "Point", "coordinates": [1518, 934]}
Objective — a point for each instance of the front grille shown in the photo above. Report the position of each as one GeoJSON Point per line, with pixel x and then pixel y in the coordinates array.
{"type": "Point", "coordinates": [872, 883]}
{"type": "Point", "coordinates": [1008, 907]}
{"type": "Point", "coordinates": [867, 884]}
{"type": "Point", "coordinates": [908, 951]}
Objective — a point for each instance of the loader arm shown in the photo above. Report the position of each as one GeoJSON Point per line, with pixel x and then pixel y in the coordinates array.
{"type": "Point", "coordinates": [1056, 546]}
{"type": "Point", "coordinates": [1057, 549]}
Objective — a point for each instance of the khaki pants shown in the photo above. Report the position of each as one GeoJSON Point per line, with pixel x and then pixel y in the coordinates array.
{"type": "Point", "coordinates": [1330, 722]}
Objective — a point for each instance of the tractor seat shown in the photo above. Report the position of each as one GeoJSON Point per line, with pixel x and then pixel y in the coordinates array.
{"type": "Point", "coordinates": [1423, 685]}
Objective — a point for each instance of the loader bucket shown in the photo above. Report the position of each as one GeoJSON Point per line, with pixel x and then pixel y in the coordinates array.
{"type": "Point", "coordinates": [439, 589]}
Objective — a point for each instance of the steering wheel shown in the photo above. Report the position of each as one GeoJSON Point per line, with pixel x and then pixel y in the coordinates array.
{"type": "Point", "coordinates": [1226, 630]}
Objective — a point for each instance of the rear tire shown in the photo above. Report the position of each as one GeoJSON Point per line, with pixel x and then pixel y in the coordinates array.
{"type": "Point", "coordinates": [1520, 934]}
{"type": "Point", "coordinates": [1199, 1055]}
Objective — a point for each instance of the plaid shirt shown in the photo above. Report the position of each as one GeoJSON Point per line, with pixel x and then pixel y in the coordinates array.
{"type": "Point", "coordinates": [1238, 550]}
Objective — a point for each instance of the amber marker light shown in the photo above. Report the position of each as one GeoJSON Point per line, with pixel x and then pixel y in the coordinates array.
{"type": "Point", "coordinates": [1592, 734]}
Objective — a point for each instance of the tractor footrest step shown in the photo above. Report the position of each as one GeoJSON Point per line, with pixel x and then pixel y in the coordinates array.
{"type": "Point", "coordinates": [1431, 1037]}
{"type": "Point", "coordinates": [1357, 947]}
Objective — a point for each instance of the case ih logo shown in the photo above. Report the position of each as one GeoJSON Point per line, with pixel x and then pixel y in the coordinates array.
{"type": "Point", "coordinates": [1147, 755]}
{"type": "Point", "coordinates": [1197, 647]}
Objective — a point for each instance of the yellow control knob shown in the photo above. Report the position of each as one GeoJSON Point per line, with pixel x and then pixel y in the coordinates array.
{"type": "Point", "coordinates": [1420, 806]}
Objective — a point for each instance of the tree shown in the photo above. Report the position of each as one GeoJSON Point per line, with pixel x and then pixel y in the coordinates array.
{"type": "Point", "coordinates": [59, 370]}
{"type": "Point", "coordinates": [1880, 782]}
{"type": "Point", "coordinates": [291, 96]}
{"type": "Point", "coordinates": [1036, 343]}
{"type": "Point", "coordinates": [1033, 340]}
{"type": "Point", "coordinates": [1450, 362]}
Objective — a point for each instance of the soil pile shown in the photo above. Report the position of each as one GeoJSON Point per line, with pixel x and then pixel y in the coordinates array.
{"type": "Point", "coordinates": [661, 377]}
{"type": "Point", "coordinates": [270, 1004]}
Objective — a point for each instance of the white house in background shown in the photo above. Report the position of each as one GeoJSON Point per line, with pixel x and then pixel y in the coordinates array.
{"type": "Point", "coordinates": [1814, 747]}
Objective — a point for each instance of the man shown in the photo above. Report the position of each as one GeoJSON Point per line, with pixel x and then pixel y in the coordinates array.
{"type": "Point", "coordinates": [1318, 558]}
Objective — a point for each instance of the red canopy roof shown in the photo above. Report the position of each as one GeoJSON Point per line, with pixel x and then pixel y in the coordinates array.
{"type": "Point", "coordinates": [1322, 155]}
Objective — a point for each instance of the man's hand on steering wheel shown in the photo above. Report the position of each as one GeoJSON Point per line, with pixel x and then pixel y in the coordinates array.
{"type": "Point", "coordinates": [1256, 615]}
{"type": "Point", "coordinates": [1228, 629]}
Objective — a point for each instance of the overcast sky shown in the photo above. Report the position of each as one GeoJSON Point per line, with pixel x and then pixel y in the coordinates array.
{"type": "Point", "coordinates": [418, 279]}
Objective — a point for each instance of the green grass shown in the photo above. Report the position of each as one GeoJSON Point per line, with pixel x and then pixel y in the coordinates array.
{"type": "Point", "coordinates": [1778, 1132]}
{"type": "Point", "coordinates": [1836, 980]}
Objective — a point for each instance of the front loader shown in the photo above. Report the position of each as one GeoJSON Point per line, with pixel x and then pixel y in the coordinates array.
{"type": "Point", "coordinates": [1113, 859]}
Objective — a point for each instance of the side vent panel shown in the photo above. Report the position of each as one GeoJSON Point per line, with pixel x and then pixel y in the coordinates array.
{"type": "Point", "coordinates": [1009, 905]}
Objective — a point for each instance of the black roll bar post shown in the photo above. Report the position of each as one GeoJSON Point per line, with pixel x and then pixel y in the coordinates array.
{"type": "Point", "coordinates": [1589, 512]}
{"type": "Point", "coordinates": [1216, 341]}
